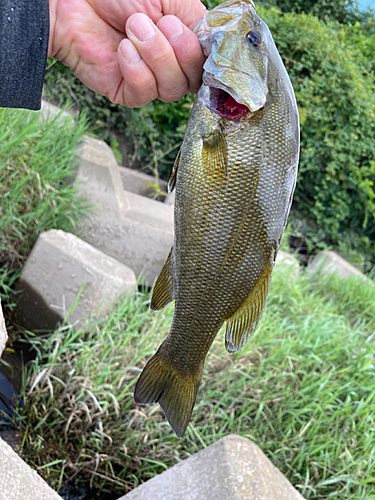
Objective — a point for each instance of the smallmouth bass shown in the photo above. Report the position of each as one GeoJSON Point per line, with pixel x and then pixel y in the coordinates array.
{"type": "Point", "coordinates": [234, 178]}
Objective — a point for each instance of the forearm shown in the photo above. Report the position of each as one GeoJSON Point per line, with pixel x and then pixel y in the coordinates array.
{"type": "Point", "coordinates": [24, 33]}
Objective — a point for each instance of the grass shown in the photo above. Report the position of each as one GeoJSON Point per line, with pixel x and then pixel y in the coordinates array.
{"type": "Point", "coordinates": [36, 158]}
{"type": "Point", "coordinates": [303, 389]}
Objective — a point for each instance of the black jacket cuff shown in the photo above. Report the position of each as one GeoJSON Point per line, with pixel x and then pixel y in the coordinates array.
{"type": "Point", "coordinates": [24, 33]}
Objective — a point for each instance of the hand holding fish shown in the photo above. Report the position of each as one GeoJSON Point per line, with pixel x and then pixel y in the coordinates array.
{"type": "Point", "coordinates": [132, 52]}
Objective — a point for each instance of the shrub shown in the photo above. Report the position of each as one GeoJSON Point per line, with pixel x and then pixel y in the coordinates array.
{"type": "Point", "coordinates": [333, 84]}
{"type": "Point", "coordinates": [343, 11]}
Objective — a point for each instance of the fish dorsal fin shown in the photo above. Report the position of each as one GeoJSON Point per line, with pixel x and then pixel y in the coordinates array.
{"type": "Point", "coordinates": [173, 177]}
{"type": "Point", "coordinates": [163, 289]}
{"type": "Point", "coordinates": [214, 154]}
{"type": "Point", "coordinates": [242, 324]}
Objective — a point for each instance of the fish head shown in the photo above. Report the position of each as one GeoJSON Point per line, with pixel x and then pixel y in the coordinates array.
{"type": "Point", "coordinates": [241, 58]}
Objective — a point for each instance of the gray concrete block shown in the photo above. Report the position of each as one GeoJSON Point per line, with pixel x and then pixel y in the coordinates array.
{"type": "Point", "coordinates": [18, 481]}
{"type": "Point", "coordinates": [146, 185]}
{"type": "Point", "coordinates": [98, 177]}
{"type": "Point", "coordinates": [284, 259]}
{"type": "Point", "coordinates": [328, 262]}
{"type": "Point", "coordinates": [143, 184]}
{"type": "Point", "coordinates": [3, 332]}
{"type": "Point", "coordinates": [233, 468]}
{"type": "Point", "coordinates": [49, 111]}
{"type": "Point", "coordinates": [59, 266]}
{"type": "Point", "coordinates": [133, 229]}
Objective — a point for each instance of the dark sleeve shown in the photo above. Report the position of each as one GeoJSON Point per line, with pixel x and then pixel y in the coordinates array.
{"type": "Point", "coordinates": [24, 32]}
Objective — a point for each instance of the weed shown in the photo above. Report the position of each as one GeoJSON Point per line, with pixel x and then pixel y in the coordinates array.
{"type": "Point", "coordinates": [302, 389]}
{"type": "Point", "coordinates": [36, 158]}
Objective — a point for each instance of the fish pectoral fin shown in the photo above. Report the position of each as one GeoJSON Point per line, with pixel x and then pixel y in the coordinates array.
{"type": "Point", "coordinates": [214, 155]}
{"type": "Point", "coordinates": [160, 382]}
{"type": "Point", "coordinates": [242, 324]}
{"type": "Point", "coordinates": [173, 177]}
{"type": "Point", "coordinates": [163, 289]}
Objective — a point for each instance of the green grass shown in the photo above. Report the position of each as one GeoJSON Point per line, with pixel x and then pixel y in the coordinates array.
{"type": "Point", "coordinates": [35, 159]}
{"type": "Point", "coordinates": [303, 389]}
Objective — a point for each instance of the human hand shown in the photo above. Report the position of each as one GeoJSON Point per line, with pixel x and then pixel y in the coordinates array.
{"type": "Point", "coordinates": [160, 58]}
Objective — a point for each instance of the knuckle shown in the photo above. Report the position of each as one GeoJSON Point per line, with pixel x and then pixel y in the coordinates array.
{"type": "Point", "coordinates": [161, 58]}
{"type": "Point", "coordinates": [171, 95]}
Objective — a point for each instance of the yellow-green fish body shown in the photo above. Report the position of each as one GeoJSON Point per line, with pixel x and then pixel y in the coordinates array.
{"type": "Point", "coordinates": [235, 176]}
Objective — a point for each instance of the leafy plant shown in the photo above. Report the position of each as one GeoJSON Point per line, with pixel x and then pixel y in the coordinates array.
{"type": "Point", "coordinates": [343, 11]}
{"type": "Point", "coordinates": [334, 86]}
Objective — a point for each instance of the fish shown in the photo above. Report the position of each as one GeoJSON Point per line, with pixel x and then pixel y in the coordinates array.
{"type": "Point", "coordinates": [234, 178]}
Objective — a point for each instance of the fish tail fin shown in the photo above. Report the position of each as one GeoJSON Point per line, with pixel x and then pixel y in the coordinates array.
{"type": "Point", "coordinates": [173, 389]}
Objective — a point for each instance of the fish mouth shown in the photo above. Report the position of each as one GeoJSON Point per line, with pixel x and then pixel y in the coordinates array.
{"type": "Point", "coordinates": [223, 104]}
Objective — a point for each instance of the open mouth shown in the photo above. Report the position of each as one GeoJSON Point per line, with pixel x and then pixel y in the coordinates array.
{"type": "Point", "coordinates": [224, 104]}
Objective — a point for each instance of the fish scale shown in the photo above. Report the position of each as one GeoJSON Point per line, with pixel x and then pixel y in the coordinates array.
{"type": "Point", "coordinates": [234, 178]}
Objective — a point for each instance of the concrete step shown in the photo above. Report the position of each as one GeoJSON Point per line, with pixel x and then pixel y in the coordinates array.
{"type": "Point", "coordinates": [18, 481]}
{"type": "Point", "coordinates": [233, 468]}
{"type": "Point", "coordinates": [59, 266]}
{"type": "Point", "coordinates": [328, 262]}
{"type": "Point", "coordinates": [285, 259]}
{"type": "Point", "coordinates": [133, 229]}
{"type": "Point", "coordinates": [146, 185]}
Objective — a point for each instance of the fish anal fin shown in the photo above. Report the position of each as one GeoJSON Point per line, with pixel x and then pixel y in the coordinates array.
{"type": "Point", "coordinates": [241, 325]}
{"type": "Point", "coordinates": [163, 289]}
{"type": "Point", "coordinates": [175, 391]}
{"type": "Point", "coordinates": [173, 177]}
{"type": "Point", "coordinates": [214, 155]}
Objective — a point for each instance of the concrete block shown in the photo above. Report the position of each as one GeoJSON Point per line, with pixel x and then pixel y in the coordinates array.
{"type": "Point", "coordinates": [144, 185]}
{"type": "Point", "coordinates": [284, 259]}
{"type": "Point", "coordinates": [49, 111]}
{"type": "Point", "coordinates": [133, 229]}
{"type": "Point", "coordinates": [98, 177]}
{"type": "Point", "coordinates": [58, 266]}
{"type": "Point", "coordinates": [233, 468]}
{"type": "Point", "coordinates": [18, 481]}
{"type": "Point", "coordinates": [3, 332]}
{"type": "Point", "coordinates": [329, 262]}
{"type": "Point", "coordinates": [141, 241]}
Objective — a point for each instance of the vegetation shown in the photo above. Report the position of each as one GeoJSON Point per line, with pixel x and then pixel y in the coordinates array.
{"type": "Point", "coordinates": [334, 83]}
{"type": "Point", "coordinates": [36, 158]}
{"type": "Point", "coordinates": [302, 389]}
{"type": "Point", "coordinates": [343, 11]}
{"type": "Point", "coordinates": [331, 65]}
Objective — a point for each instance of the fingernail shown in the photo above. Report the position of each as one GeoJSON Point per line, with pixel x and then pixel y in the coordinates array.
{"type": "Point", "coordinates": [129, 52]}
{"type": "Point", "coordinates": [172, 28]}
{"type": "Point", "coordinates": [142, 28]}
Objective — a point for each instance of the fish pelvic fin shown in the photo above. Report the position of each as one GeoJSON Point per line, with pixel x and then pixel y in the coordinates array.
{"type": "Point", "coordinates": [175, 391]}
{"type": "Point", "coordinates": [163, 289]}
{"type": "Point", "coordinates": [242, 324]}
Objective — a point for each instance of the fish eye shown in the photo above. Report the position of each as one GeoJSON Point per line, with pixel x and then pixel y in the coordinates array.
{"type": "Point", "coordinates": [254, 38]}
